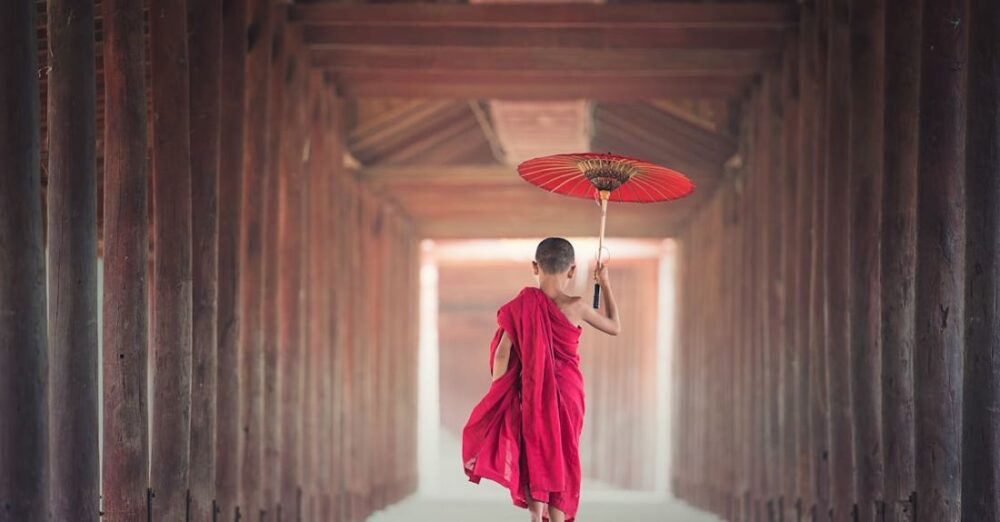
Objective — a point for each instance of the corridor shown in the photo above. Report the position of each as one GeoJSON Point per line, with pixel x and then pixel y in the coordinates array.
{"type": "Point", "coordinates": [218, 220]}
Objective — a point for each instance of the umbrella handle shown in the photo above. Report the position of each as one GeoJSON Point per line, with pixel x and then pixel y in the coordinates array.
{"type": "Point", "coordinates": [600, 246]}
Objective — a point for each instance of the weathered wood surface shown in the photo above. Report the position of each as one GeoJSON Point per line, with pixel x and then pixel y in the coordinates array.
{"type": "Point", "coordinates": [205, 51]}
{"type": "Point", "coordinates": [231, 115]}
{"type": "Point", "coordinates": [126, 245]}
{"type": "Point", "coordinates": [171, 297]}
{"type": "Point", "coordinates": [72, 241]}
{"type": "Point", "coordinates": [981, 396]}
{"type": "Point", "coordinates": [867, 22]}
{"type": "Point", "coordinates": [255, 175]}
{"type": "Point", "coordinates": [24, 483]}
{"type": "Point", "coordinates": [940, 275]}
{"type": "Point", "coordinates": [278, 56]}
{"type": "Point", "coordinates": [292, 284]}
{"type": "Point", "coordinates": [898, 255]}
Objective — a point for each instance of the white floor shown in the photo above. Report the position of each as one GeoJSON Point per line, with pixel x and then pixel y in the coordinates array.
{"type": "Point", "coordinates": [452, 498]}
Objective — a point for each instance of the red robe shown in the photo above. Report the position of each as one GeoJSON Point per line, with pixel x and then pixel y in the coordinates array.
{"type": "Point", "coordinates": [525, 433]}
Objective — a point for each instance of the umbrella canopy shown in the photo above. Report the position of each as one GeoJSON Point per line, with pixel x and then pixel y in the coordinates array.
{"type": "Point", "coordinates": [587, 175]}
{"type": "Point", "coordinates": [605, 177]}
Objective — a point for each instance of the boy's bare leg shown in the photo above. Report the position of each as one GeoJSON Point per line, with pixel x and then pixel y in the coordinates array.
{"type": "Point", "coordinates": [556, 515]}
{"type": "Point", "coordinates": [537, 509]}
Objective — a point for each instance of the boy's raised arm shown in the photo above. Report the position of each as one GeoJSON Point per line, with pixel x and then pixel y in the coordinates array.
{"type": "Point", "coordinates": [609, 323]}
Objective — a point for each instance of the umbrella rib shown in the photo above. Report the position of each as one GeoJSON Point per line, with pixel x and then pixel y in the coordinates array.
{"type": "Point", "coordinates": [641, 183]}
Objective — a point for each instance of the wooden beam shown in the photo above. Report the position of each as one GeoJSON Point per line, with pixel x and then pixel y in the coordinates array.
{"type": "Point", "coordinates": [597, 37]}
{"type": "Point", "coordinates": [24, 483]}
{"type": "Point", "coordinates": [940, 279]}
{"type": "Point", "coordinates": [981, 396]}
{"type": "Point", "coordinates": [171, 299]}
{"type": "Point", "coordinates": [526, 86]}
{"type": "Point", "coordinates": [72, 221]}
{"type": "Point", "coordinates": [460, 60]}
{"type": "Point", "coordinates": [255, 175]}
{"type": "Point", "coordinates": [227, 479]}
{"type": "Point", "coordinates": [441, 176]}
{"type": "Point", "coordinates": [126, 246]}
{"type": "Point", "coordinates": [205, 56]}
{"type": "Point", "coordinates": [673, 15]}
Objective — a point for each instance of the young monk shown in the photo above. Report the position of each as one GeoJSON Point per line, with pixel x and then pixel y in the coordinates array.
{"type": "Point", "coordinates": [525, 433]}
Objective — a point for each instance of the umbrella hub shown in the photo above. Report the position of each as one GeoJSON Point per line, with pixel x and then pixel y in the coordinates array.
{"type": "Point", "coordinates": [606, 174]}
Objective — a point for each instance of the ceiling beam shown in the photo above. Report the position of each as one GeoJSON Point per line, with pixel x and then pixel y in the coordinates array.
{"type": "Point", "coordinates": [708, 37]}
{"type": "Point", "coordinates": [767, 15]}
{"type": "Point", "coordinates": [527, 86]}
{"type": "Point", "coordinates": [441, 176]}
{"type": "Point", "coordinates": [460, 60]}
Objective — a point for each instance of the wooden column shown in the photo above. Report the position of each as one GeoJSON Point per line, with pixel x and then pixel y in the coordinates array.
{"type": "Point", "coordinates": [205, 50]}
{"type": "Point", "coordinates": [126, 431]}
{"type": "Point", "coordinates": [788, 246]}
{"type": "Point", "coordinates": [819, 420]}
{"type": "Point", "coordinates": [940, 280]}
{"type": "Point", "coordinates": [981, 414]}
{"type": "Point", "coordinates": [72, 221]}
{"type": "Point", "coordinates": [838, 272]}
{"type": "Point", "coordinates": [23, 352]}
{"type": "Point", "coordinates": [291, 230]}
{"type": "Point", "coordinates": [258, 44]}
{"type": "Point", "coordinates": [272, 406]}
{"type": "Point", "coordinates": [172, 307]}
{"type": "Point", "coordinates": [898, 231]}
{"type": "Point", "coordinates": [227, 470]}
{"type": "Point", "coordinates": [865, 166]}
{"type": "Point", "coordinates": [804, 211]}
{"type": "Point", "coordinates": [315, 319]}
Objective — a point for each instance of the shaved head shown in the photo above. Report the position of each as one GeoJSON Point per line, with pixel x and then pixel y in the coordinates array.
{"type": "Point", "coordinates": [555, 255]}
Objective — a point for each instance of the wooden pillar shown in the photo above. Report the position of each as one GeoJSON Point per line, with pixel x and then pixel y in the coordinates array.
{"type": "Point", "coordinates": [270, 334]}
{"type": "Point", "coordinates": [940, 280]}
{"type": "Point", "coordinates": [819, 418]}
{"type": "Point", "coordinates": [205, 51]}
{"type": "Point", "coordinates": [837, 271]}
{"type": "Point", "coordinates": [291, 226]}
{"type": "Point", "coordinates": [255, 132]}
{"type": "Point", "coordinates": [315, 290]}
{"type": "Point", "coordinates": [806, 143]}
{"type": "Point", "coordinates": [172, 264]}
{"type": "Point", "coordinates": [227, 469]}
{"type": "Point", "coordinates": [865, 166]}
{"type": "Point", "coordinates": [126, 243]}
{"type": "Point", "coordinates": [72, 211]}
{"type": "Point", "coordinates": [981, 414]}
{"type": "Point", "coordinates": [898, 235]}
{"type": "Point", "coordinates": [788, 247]}
{"type": "Point", "coordinates": [331, 168]}
{"type": "Point", "coordinates": [24, 482]}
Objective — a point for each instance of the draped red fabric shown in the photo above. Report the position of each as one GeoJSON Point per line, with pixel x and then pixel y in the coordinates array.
{"type": "Point", "coordinates": [525, 433]}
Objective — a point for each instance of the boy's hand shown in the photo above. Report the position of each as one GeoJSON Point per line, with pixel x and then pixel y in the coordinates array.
{"type": "Point", "coordinates": [602, 275]}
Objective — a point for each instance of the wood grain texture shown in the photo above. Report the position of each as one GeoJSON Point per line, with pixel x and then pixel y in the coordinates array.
{"type": "Point", "coordinates": [72, 266]}
{"type": "Point", "coordinates": [126, 246]}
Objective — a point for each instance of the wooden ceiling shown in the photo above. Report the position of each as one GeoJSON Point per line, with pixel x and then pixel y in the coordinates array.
{"type": "Point", "coordinates": [665, 79]}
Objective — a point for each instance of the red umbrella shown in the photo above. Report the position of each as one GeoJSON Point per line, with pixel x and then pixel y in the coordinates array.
{"type": "Point", "coordinates": [603, 178]}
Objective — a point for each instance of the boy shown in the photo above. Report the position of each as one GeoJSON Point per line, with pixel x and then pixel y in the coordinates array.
{"type": "Point", "coordinates": [525, 433]}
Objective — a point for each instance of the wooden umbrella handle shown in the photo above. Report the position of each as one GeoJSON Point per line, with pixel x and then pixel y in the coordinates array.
{"type": "Point", "coordinates": [600, 246]}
